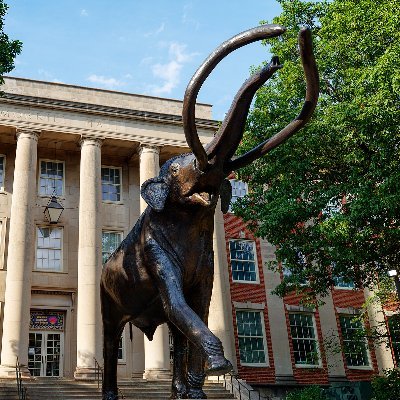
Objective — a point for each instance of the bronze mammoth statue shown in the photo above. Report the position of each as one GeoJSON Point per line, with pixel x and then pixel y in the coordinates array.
{"type": "Point", "coordinates": [163, 270]}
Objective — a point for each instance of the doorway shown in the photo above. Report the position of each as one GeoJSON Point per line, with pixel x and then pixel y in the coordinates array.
{"type": "Point", "coordinates": [46, 343]}
{"type": "Point", "coordinates": [45, 353]}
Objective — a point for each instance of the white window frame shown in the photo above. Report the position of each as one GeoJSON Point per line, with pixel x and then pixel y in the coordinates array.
{"type": "Point", "coordinates": [40, 172]}
{"type": "Point", "coordinates": [365, 367]}
{"type": "Point", "coordinates": [257, 280]}
{"type": "Point", "coordinates": [123, 342]}
{"type": "Point", "coordinates": [264, 337]}
{"type": "Point", "coordinates": [62, 270]}
{"type": "Point", "coordinates": [2, 184]}
{"type": "Point", "coordinates": [316, 340]}
{"type": "Point", "coordinates": [115, 231]}
{"type": "Point", "coordinates": [3, 230]}
{"type": "Point", "coordinates": [234, 198]}
{"type": "Point", "coordinates": [120, 185]}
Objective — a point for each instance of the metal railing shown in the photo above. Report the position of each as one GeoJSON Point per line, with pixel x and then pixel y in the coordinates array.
{"type": "Point", "coordinates": [21, 389]}
{"type": "Point", "coordinates": [99, 376]}
{"type": "Point", "coordinates": [239, 389]}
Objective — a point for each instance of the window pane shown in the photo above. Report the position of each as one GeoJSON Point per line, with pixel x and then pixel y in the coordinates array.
{"type": "Point", "coordinates": [2, 162]}
{"type": "Point", "coordinates": [354, 342]}
{"type": "Point", "coordinates": [49, 249]}
{"type": "Point", "coordinates": [239, 189]}
{"type": "Point", "coordinates": [110, 243]}
{"type": "Point", "coordinates": [243, 262]}
{"type": "Point", "coordinates": [303, 339]}
{"type": "Point", "coordinates": [394, 332]}
{"type": "Point", "coordinates": [111, 184]}
{"type": "Point", "coordinates": [250, 337]}
{"type": "Point", "coordinates": [51, 178]}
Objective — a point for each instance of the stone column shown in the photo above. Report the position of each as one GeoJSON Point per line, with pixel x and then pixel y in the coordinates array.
{"type": "Point", "coordinates": [157, 364]}
{"type": "Point", "coordinates": [20, 258]}
{"type": "Point", "coordinates": [376, 316]}
{"type": "Point", "coordinates": [89, 330]}
{"type": "Point", "coordinates": [220, 315]}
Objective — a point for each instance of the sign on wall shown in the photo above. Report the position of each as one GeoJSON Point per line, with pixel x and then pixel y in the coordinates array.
{"type": "Point", "coordinates": [47, 320]}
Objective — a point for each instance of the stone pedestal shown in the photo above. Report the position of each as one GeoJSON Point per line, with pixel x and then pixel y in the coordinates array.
{"type": "Point", "coordinates": [20, 257]}
{"type": "Point", "coordinates": [89, 330]}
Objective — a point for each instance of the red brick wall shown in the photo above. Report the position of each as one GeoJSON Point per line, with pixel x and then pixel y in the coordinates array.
{"type": "Point", "coordinates": [256, 293]}
{"type": "Point", "coordinates": [253, 292]}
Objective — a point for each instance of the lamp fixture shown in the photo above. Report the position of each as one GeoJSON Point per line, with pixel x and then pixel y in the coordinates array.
{"type": "Point", "coordinates": [53, 210]}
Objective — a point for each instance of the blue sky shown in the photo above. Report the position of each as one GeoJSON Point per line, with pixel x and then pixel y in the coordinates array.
{"type": "Point", "coordinates": [147, 47]}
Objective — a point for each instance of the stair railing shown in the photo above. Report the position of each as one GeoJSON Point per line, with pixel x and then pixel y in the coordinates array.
{"type": "Point", "coordinates": [99, 376]}
{"type": "Point", "coordinates": [240, 390]}
{"type": "Point", "coordinates": [21, 389]}
{"type": "Point", "coordinates": [98, 373]}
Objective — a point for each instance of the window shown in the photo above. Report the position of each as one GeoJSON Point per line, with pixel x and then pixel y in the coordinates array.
{"type": "Point", "coordinates": [49, 249]}
{"type": "Point", "coordinates": [243, 260]}
{"type": "Point", "coordinates": [2, 171]}
{"type": "Point", "coordinates": [250, 331]}
{"type": "Point", "coordinates": [111, 183]}
{"type": "Point", "coordinates": [3, 225]}
{"type": "Point", "coordinates": [354, 342]}
{"type": "Point", "coordinates": [344, 283]}
{"type": "Point", "coordinates": [51, 180]}
{"type": "Point", "coordinates": [121, 347]}
{"type": "Point", "coordinates": [110, 242]}
{"type": "Point", "coordinates": [305, 343]}
{"type": "Point", "coordinates": [239, 189]}
{"type": "Point", "coordinates": [394, 333]}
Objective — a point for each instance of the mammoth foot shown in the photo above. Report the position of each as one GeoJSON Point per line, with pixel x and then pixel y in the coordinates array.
{"type": "Point", "coordinates": [178, 391]}
{"type": "Point", "coordinates": [110, 395]}
{"type": "Point", "coordinates": [217, 365]}
{"type": "Point", "coordinates": [196, 394]}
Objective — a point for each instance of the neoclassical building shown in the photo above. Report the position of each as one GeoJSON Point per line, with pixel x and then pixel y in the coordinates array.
{"type": "Point", "coordinates": [91, 150]}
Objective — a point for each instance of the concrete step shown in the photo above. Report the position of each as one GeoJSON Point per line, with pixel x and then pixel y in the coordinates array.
{"type": "Point", "coordinates": [67, 389]}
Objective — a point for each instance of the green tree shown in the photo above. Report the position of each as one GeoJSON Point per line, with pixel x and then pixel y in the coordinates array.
{"type": "Point", "coordinates": [329, 198]}
{"type": "Point", "coordinates": [9, 49]}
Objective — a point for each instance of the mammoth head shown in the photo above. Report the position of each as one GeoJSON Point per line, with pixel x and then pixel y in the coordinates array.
{"type": "Point", "coordinates": [198, 178]}
{"type": "Point", "coordinates": [184, 183]}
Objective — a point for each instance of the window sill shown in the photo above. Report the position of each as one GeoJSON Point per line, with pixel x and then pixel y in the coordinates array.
{"type": "Point", "coordinates": [247, 282]}
{"type": "Point", "coordinates": [308, 366]}
{"type": "Point", "coordinates": [121, 203]}
{"type": "Point", "coordinates": [361, 367]}
{"type": "Point", "coordinates": [50, 271]}
{"type": "Point", "coordinates": [263, 365]}
{"type": "Point", "coordinates": [344, 288]}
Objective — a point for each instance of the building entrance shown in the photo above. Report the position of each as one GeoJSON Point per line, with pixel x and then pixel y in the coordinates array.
{"type": "Point", "coordinates": [46, 344]}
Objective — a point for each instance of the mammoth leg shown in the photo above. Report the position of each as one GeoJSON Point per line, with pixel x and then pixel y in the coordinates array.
{"type": "Point", "coordinates": [178, 390]}
{"type": "Point", "coordinates": [168, 279]}
{"type": "Point", "coordinates": [112, 329]}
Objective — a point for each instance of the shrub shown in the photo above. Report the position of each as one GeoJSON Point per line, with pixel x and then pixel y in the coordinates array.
{"type": "Point", "coordinates": [308, 393]}
{"type": "Point", "coordinates": [387, 387]}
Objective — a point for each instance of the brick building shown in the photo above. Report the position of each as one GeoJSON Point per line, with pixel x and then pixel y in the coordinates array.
{"type": "Point", "coordinates": [92, 149]}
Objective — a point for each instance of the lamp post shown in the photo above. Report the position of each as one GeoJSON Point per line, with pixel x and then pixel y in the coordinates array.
{"type": "Point", "coordinates": [53, 210]}
{"type": "Point", "coordinates": [394, 274]}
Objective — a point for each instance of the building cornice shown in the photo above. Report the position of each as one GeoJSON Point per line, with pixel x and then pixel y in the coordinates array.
{"type": "Point", "coordinates": [101, 110]}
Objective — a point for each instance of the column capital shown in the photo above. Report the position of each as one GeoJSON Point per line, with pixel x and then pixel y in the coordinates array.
{"type": "Point", "coordinates": [90, 141]}
{"type": "Point", "coordinates": [27, 133]}
{"type": "Point", "coordinates": [148, 148]}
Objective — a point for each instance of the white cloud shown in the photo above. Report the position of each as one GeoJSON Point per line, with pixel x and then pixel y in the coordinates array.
{"type": "Point", "coordinates": [109, 83]}
{"type": "Point", "coordinates": [156, 32]}
{"type": "Point", "coordinates": [84, 13]}
{"type": "Point", "coordinates": [169, 73]}
{"type": "Point", "coordinates": [187, 19]}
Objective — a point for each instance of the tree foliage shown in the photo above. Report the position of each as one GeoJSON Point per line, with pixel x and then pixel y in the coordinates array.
{"type": "Point", "coordinates": [329, 198]}
{"type": "Point", "coordinates": [9, 49]}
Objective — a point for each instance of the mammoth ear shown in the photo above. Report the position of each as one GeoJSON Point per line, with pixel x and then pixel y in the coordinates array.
{"type": "Point", "coordinates": [154, 192]}
{"type": "Point", "coordinates": [226, 195]}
